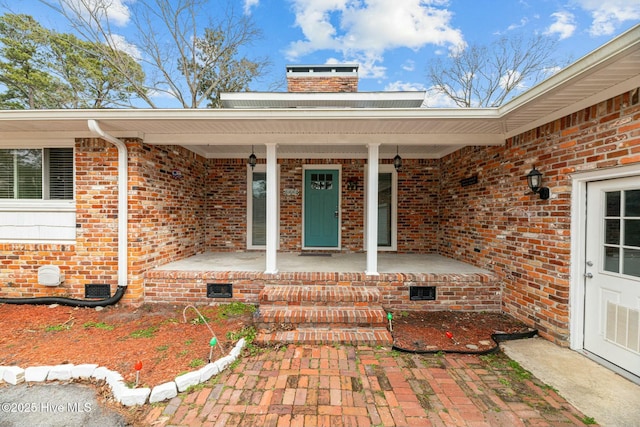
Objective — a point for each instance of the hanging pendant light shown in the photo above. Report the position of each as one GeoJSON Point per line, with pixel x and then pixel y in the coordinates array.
{"type": "Point", "coordinates": [397, 160]}
{"type": "Point", "coordinates": [253, 160]}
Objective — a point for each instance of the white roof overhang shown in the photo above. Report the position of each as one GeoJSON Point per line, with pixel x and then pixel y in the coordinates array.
{"type": "Point", "coordinates": [330, 132]}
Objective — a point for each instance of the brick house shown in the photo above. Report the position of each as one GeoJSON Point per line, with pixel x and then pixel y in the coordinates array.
{"type": "Point", "coordinates": [166, 203]}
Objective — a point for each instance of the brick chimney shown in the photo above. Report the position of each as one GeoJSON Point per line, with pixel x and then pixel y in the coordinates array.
{"type": "Point", "coordinates": [322, 78]}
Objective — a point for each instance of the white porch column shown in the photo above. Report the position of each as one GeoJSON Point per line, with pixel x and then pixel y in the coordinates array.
{"type": "Point", "coordinates": [272, 209]}
{"type": "Point", "coordinates": [372, 210]}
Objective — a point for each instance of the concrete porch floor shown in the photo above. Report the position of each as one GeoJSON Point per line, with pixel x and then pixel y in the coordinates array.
{"type": "Point", "coordinates": [335, 263]}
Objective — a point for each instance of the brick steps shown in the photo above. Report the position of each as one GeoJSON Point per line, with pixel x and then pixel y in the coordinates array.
{"type": "Point", "coordinates": [321, 315]}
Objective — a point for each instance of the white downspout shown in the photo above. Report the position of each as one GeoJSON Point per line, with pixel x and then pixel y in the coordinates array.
{"type": "Point", "coordinates": [123, 213]}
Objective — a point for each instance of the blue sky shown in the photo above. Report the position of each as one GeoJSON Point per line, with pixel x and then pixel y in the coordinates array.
{"type": "Point", "coordinates": [394, 40]}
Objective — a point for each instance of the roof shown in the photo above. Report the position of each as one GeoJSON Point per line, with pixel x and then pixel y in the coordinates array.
{"type": "Point", "coordinates": [321, 130]}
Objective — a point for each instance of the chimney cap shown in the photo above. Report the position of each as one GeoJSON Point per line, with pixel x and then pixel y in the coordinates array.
{"type": "Point", "coordinates": [322, 69]}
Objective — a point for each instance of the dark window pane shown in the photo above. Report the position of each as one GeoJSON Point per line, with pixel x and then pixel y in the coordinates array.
{"type": "Point", "coordinates": [613, 203]}
{"type": "Point", "coordinates": [6, 174]}
{"type": "Point", "coordinates": [259, 209]}
{"type": "Point", "coordinates": [632, 232]}
{"type": "Point", "coordinates": [632, 203]}
{"type": "Point", "coordinates": [384, 209]}
{"type": "Point", "coordinates": [612, 231]}
{"type": "Point", "coordinates": [612, 259]}
{"type": "Point", "coordinates": [60, 161]}
{"type": "Point", "coordinates": [29, 174]}
{"type": "Point", "coordinates": [631, 263]}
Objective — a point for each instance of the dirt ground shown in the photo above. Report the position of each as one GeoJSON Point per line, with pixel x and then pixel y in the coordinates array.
{"type": "Point", "coordinates": [165, 340]}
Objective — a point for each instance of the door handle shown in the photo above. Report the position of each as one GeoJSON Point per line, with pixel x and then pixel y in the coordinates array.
{"type": "Point", "coordinates": [588, 275]}
{"type": "Point", "coordinates": [335, 214]}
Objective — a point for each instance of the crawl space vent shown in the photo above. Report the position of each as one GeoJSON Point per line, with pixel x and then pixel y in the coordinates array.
{"type": "Point", "coordinates": [219, 290]}
{"type": "Point", "coordinates": [422, 293]}
{"type": "Point", "coordinates": [97, 291]}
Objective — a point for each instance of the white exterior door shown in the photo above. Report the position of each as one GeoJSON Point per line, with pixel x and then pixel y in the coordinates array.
{"type": "Point", "coordinates": [612, 273]}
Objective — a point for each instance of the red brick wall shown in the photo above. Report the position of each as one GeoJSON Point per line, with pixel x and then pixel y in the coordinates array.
{"type": "Point", "coordinates": [166, 222]}
{"type": "Point", "coordinates": [93, 259]}
{"type": "Point", "coordinates": [497, 224]}
{"type": "Point", "coordinates": [417, 210]}
{"type": "Point", "coordinates": [322, 84]}
{"type": "Point", "coordinates": [464, 292]}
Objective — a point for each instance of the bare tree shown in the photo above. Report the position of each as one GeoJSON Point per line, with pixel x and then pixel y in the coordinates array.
{"type": "Point", "coordinates": [487, 76]}
{"type": "Point", "coordinates": [174, 46]}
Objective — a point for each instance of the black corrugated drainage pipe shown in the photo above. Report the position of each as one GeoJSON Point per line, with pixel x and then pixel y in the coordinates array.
{"type": "Point", "coordinates": [68, 301]}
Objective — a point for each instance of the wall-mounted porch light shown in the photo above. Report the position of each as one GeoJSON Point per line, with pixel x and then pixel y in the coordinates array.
{"type": "Point", "coordinates": [397, 160]}
{"type": "Point", "coordinates": [253, 160]}
{"type": "Point", "coordinates": [534, 179]}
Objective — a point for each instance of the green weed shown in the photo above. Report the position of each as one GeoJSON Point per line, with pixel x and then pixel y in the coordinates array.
{"type": "Point", "coordinates": [235, 308]}
{"type": "Point", "coordinates": [196, 363]}
{"type": "Point", "coordinates": [144, 333]}
{"type": "Point", "coordinates": [99, 325]}
{"type": "Point", "coordinates": [57, 328]}
{"type": "Point", "coordinates": [588, 420]}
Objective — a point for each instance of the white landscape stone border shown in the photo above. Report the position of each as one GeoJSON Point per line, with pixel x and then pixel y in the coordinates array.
{"type": "Point", "coordinates": [123, 394]}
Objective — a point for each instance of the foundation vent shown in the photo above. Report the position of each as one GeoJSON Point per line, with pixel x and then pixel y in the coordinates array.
{"type": "Point", "coordinates": [94, 290]}
{"type": "Point", "coordinates": [219, 290]}
{"type": "Point", "coordinates": [422, 293]}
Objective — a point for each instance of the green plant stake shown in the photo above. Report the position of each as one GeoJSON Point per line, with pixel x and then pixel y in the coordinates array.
{"type": "Point", "coordinates": [212, 344]}
{"type": "Point", "coordinates": [390, 317]}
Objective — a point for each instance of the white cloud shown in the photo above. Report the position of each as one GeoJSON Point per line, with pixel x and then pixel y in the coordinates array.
{"type": "Point", "coordinates": [436, 99]}
{"type": "Point", "coordinates": [248, 4]}
{"type": "Point", "coordinates": [409, 65]}
{"type": "Point", "coordinates": [122, 44]}
{"type": "Point", "coordinates": [520, 24]}
{"type": "Point", "coordinates": [365, 29]}
{"type": "Point", "coordinates": [564, 25]}
{"type": "Point", "coordinates": [400, 86]}
{"type": "Point", "coordinates": [609, 15]}
{"type": "Point", "coordinates": [116, 10]}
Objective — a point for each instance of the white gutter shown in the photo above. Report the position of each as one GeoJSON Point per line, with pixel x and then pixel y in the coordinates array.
{"type": "Point", "coordinates": [123, 213]}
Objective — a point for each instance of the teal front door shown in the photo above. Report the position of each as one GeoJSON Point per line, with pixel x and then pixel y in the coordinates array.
{"type": "Point", "coordinates": [321, 212]}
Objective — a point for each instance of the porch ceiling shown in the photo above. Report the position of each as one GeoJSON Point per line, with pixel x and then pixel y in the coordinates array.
{"type": "Point", "coordinates": [344, 132]}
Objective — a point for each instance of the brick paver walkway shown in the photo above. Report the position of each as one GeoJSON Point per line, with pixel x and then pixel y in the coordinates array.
{"type": "Point", "coordinates": [302, 385]}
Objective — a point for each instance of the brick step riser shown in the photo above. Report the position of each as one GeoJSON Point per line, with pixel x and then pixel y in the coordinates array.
{"type": "Point", "coordinates": [312, 325]}
{"type": "Point", "coordinates": [285, 294]}
{"type": "Point", "coordinates": [319, 303]}
{"type": "Point", "coordinates": [371, 337]}
{"type": "Point", "coordinates": [318, 319]}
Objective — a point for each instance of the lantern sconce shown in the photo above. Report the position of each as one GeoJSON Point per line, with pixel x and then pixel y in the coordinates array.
{"type": "Point", "coordinates": [534, 179]}
{"type": "Point", "coordinates": [397, 160]}
{"type": "Point", "coordinates": [253, 160]}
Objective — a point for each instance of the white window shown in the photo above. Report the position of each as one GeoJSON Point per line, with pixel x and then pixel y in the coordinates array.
{"type": "Point", "coordinates": [40, 174]}
{"type": "Point", "coordinates": [387, 208]}
{"type": "Point", "coordinates": [37, 195]}
{"type": "Point", "coordinates": [257, 207]}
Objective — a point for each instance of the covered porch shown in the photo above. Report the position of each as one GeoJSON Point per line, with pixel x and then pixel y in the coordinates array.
{"type": "Point", "coordinates": [405, 281]}
{"type": "Point", "coordinates": [323, 262]}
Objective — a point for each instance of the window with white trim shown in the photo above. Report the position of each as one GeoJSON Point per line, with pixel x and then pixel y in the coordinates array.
{"type": "Point", "coordinates": [257, 207]}
{"type": "Point", "coordinates": [40, 174]}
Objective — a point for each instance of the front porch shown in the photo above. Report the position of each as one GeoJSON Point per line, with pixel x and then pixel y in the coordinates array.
{"type": "Point", "coordinates": [458, 286]}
